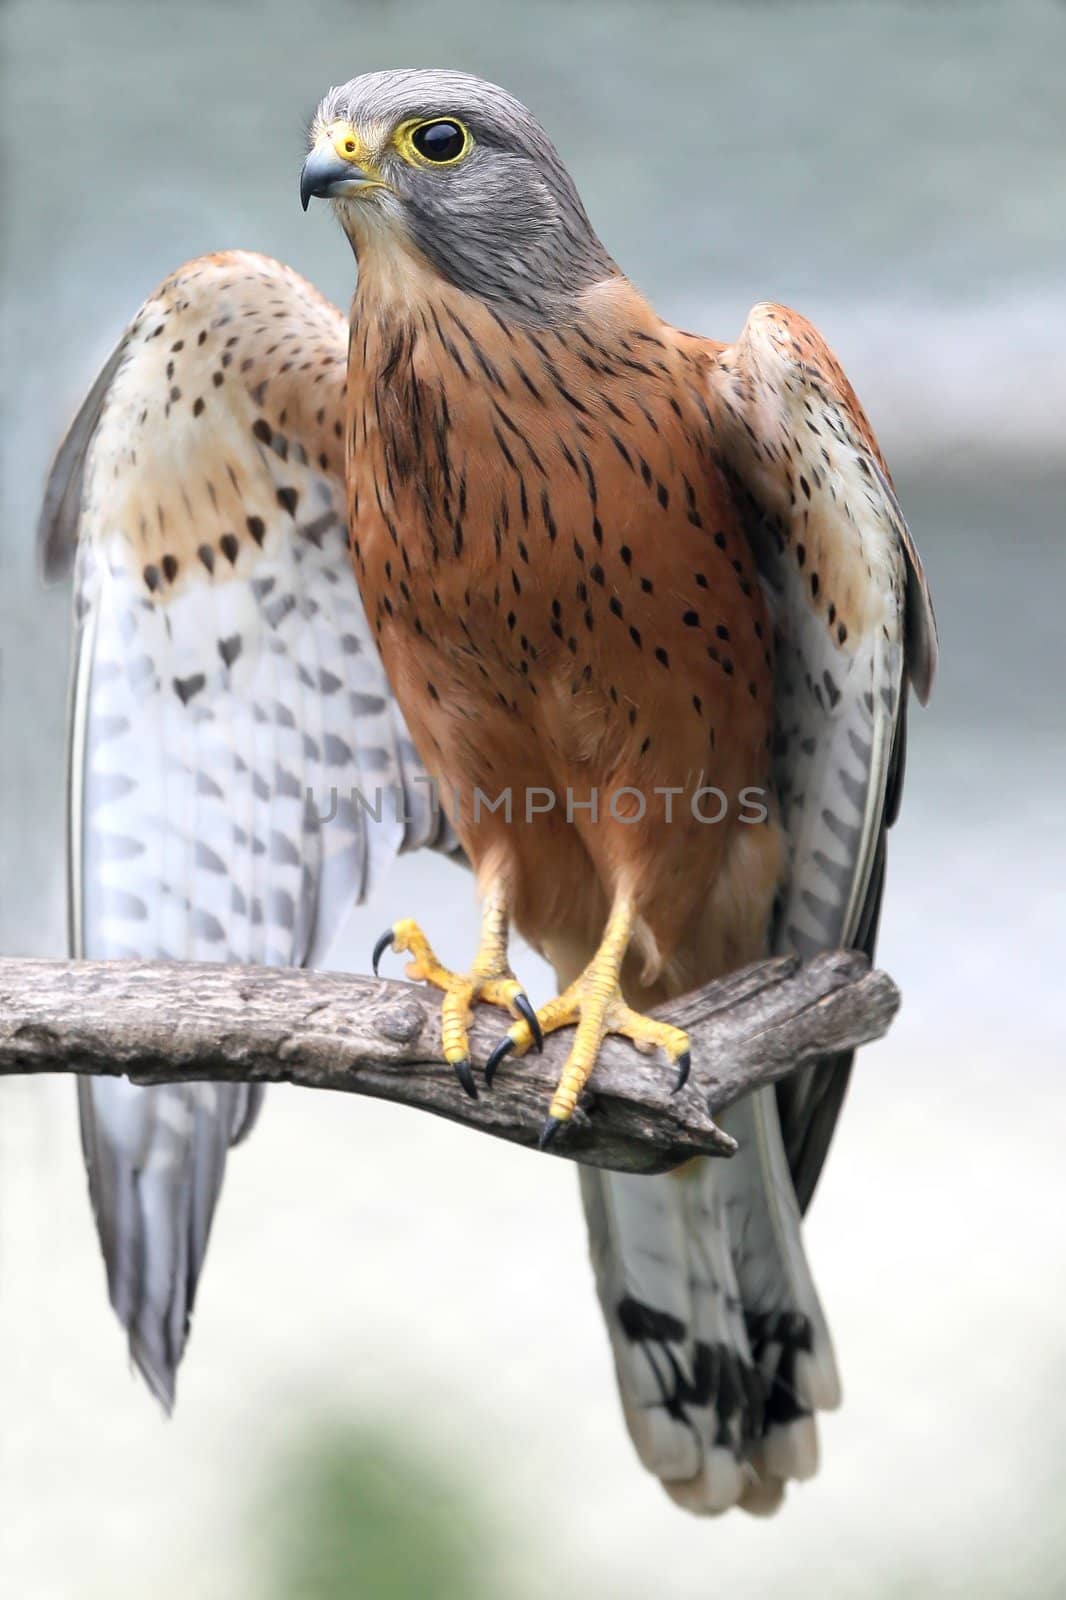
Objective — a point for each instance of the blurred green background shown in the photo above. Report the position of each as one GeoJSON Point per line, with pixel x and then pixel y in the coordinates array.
{"type": "Point", "coordinates": [349, 1511]}
{"type": "Point", "coordinates": [399, 1381]}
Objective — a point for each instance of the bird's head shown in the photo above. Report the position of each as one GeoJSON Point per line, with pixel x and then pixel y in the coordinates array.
{"type": "Point", "coordinates": [459, 172]}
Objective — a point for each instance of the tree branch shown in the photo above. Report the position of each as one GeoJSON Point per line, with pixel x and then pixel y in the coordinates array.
{"type": "Point", "coordinates": [166, 1022]}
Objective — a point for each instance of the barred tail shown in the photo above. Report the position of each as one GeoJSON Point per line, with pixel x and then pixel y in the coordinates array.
{"type": "Point", "coordinates": [721, 1349]}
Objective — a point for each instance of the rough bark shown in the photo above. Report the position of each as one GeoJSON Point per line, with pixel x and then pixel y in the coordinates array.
{"type": "Point", "coordinates": [159, 1022]}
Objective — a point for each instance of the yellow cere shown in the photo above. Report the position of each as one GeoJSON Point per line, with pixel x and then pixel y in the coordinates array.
{"type": "Point", "coordinates": [347, 143]}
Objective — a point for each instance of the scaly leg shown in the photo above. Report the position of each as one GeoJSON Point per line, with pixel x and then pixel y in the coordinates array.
{"type": "Point", "coordinates": [490, 979]}
{"type": "Point", "coordinates": [594, 1002]}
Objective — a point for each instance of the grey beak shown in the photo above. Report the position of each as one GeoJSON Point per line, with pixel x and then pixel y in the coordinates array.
{"type": "Point", "coordinates": [326, 175]}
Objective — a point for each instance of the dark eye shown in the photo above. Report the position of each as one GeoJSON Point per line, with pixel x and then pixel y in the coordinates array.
{"type": "Point", "coordinates": [439, 141]}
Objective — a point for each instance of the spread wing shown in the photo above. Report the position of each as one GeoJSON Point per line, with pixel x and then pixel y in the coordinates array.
{"type": "Point", "coordinates": [239, 772]}
{"type": "Point", "coordinates": [854, 629]}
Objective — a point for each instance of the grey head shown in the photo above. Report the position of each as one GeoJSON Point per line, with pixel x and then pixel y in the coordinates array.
{"type": "Point", "coordinates": [461, 169]}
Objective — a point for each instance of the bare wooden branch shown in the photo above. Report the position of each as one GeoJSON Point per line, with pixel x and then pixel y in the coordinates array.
{"type": "Point", "coordinates": [160, 1022]}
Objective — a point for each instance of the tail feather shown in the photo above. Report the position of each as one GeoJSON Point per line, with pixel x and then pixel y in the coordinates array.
{"type": "Point", "coordinates": [720, 1344]}
{"type": "Point", "coordinates": [683, 1396]}
{"type": "Point", "coordinates": [155, 1160]}
{"type": "Point", "coordinates": [786, 1325]}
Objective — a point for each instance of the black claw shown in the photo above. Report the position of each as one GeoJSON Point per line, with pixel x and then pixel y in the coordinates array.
{"type": "Point", "coordinates": [466, 1077]}
{"type": "Point", "coordinates": [548, 1132]}
{"type": "Point", "coordinates": [529, 1017]}
{"type": "Point", "coordinates": [504, 1048]}
{"type": "Point", "coordinates": [684, 1063]}
{"type": "Point", "coordinates": [382, 945]}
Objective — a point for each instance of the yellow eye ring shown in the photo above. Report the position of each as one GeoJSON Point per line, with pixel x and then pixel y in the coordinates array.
{"type": "Point", "coordinates": [434, 142]}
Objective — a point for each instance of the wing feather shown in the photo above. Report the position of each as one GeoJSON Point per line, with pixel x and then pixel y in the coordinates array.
{"type": "Point", "coordinates": [721, 1345]}
{"type": "Point", "coordinates": [854, 628]}
{"type": "Point", "coordinates": [238, 768]}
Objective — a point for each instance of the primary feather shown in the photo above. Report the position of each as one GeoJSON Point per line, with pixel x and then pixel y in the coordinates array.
{"type": "Point", "coordinates": [239, 772]}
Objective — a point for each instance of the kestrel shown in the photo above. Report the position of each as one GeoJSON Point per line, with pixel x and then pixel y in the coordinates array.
{"type": "Point", "coordinates": [513, 533]}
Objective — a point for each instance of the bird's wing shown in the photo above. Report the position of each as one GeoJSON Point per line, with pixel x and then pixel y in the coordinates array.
{"type": "Point", "coordinates": [854, 626]}
{"type": "Point", "coordinates": [238, 771]}
{"type": "Point", "coordinates": [721, 1345]}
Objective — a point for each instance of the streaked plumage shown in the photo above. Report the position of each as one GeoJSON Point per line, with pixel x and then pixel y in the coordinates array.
{"type": "Point", "coordinates": [593, 552]}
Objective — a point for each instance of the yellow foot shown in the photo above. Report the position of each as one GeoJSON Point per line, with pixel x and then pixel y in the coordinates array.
{"type": "Point", "coordinates": [490, 980]}
{"type": "Point", "coordinates": [597, 1008]}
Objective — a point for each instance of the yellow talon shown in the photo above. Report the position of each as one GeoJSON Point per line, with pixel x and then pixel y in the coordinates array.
{"type": "Point", "coordinates": [594, 1002]}
{"type": "Point", "coordinates": [603, 1011]}
{"type": "Point", "coordinates": [408, 938]}
{"type": "Point", "coordinates": [490, 979]}
{"type": "Point", "coordinates": [502, 992]}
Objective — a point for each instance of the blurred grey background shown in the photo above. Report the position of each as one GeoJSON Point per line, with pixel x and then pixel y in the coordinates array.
{"type": "Point", "coordinates": [370, 1404]}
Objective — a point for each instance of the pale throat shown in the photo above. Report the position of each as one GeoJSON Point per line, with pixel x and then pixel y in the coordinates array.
{"type": "Point", "coordinates": [394, 276]}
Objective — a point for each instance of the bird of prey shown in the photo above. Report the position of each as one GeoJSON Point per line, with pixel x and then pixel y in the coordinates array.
{"type": "Point", "coordinates": [506, 530]}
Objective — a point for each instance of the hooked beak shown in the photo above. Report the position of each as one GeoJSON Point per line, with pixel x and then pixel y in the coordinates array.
{"type": "Point", "coordinates": [327, 175]}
